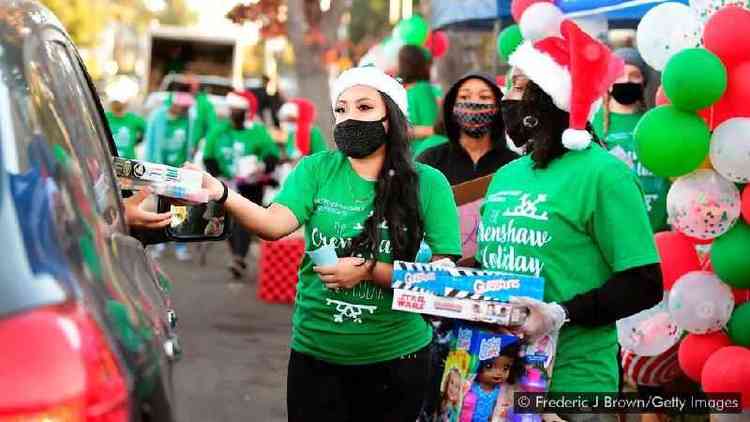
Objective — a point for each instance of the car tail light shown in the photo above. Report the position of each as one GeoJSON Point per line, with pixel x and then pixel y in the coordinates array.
{"type": "Point", "coordinates": [57, 366]}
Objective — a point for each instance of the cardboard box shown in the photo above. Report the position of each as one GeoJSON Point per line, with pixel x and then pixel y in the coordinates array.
{"type": "Point", "coordinates": [462, 293]}
{"type": "Point", "coordinates": [485, 368]}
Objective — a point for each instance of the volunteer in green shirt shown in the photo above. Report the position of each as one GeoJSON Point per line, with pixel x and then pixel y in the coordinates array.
{"type": "Point", "coordinates": [297, 119]}
{"type": "Point", "coordinates": [615, 122]}
{"type": "Point", "coordinates": [353, 357]}
{"type": "Point", "coordinates": [127, 128]}
{"type": "Point", "coordinates": [230, 142]}
{"type": "Point", "coordinates": [572, 213]}
{"type": "Point", "coordinates": [167, 132]}
{"type": "Point", "coordinates": [414, 71]}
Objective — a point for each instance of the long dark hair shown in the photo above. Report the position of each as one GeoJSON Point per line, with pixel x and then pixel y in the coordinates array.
{"type": "Point", "coordinates": [546, 137]}
{"type": "Point", "coordinates": [396, 196]}
{"type": "Point", "coordinates": [413, 65]}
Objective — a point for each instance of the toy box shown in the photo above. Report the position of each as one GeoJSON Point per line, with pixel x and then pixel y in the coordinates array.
{"type": "Point", "coordinates": [164, 180]}
{"type": "Point", "coordinates": [485, 367]}
{"type": "Point", "coordinates": [462, 293]}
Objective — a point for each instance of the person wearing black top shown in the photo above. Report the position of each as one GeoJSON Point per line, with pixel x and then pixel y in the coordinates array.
{"type": "Point", "coordinates": [474, 126]}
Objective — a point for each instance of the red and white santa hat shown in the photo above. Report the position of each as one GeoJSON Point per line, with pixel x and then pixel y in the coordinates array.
{"type": "Point", "coordinates": [575, 70]}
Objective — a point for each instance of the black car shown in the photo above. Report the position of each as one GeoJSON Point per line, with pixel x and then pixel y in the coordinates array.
{"type": "Point", "coordinates": [86, 326]}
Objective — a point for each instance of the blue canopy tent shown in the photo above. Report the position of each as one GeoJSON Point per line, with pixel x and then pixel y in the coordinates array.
{"type": "Point", "coordinates": [482, 15]}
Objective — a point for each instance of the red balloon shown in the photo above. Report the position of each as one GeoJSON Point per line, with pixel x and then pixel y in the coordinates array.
{"type": "Point", "coordinates": [695, 349]}
{"type": "Point", "coordinates": [726, 35]}
{"type": "Point", "coordinates": [727, 371]}
{"type": "Point", "coordinates": [678, 257]}
{"type": "Point", "coordinates": [746, 204]}
{"type": "Point", "coordinates": [438, 43]}
{"type": "Point", "coordinates": [695, 240]}
{"type": "Point", "coordinates": [741, 296]}
{"type": "Point", "coordinates": [517, 7]}
{"type": "Point", "coordinates": [661, 97]}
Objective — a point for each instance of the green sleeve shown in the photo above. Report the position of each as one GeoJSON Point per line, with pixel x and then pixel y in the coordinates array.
{"type": "Point", "coordinates": [620, 223]}
{"type": "Point", "coordinates": [598, 124]}
{"type": "Point", "coordinates": [263, 145]}
{"type": "Point", "coordinates": [300, 188]}
{"type": "Point", "coordinates": [209, 148]}
{"type": "Point", "coordinates": [317, 141]}
{"type": "Point", "coordinates": [423, 108]}
{"type": "Point", "coordinates": [441, 226]}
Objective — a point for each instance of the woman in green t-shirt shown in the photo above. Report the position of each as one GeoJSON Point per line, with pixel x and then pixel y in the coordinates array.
{"type": "Point", "coordinates": [570, 212]}
{"type": "Point", "coordinates": [354, 358]}
{"type": "Point", "coordinates": [614, 123]}
{"type": "Point", "coordinates": [414, 71]}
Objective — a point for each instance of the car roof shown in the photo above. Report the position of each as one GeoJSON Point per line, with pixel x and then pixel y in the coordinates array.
{"type": "Point", "coordinates": [21, 17]}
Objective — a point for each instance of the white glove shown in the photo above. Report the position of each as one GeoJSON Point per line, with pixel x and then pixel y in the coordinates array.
{"type": "Point", "coordinates": [544, 318]}
{"type": "Point", "coordinates": [444, 263]}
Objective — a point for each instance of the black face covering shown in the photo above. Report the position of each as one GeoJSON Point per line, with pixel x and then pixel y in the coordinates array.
{"type": "Point", "coordinates": [359, 138]}
{"type": "Point", "coordinates": [627, 93]}
{"type": "Point", "coordinates": [475, 119]}
{"type": "Point", "coordinates": [513, 117]}
{"type": "Point", "coordinates": [238, 118]}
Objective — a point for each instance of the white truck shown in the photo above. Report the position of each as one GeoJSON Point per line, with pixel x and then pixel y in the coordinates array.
{"type": "Point", "coordinates": [214, 59]}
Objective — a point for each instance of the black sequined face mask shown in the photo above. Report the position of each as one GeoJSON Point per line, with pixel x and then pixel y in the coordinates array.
{"type": "Point", "coordinates": [475, 119]}
{"type": "Point", "coordinates": [359, 138]}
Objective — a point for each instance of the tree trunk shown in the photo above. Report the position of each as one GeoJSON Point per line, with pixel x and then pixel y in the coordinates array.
{"type": "Point", "coordinates": [312, 74]}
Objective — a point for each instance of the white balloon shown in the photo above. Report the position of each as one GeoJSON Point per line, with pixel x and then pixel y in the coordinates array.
{"type": "Point", "coordinates": [703, 204]}
{"type": "Point", "coordinates": [541, 20]}
{"type": "Point", "coordinates": [700, 303]}
{"type": "Point", "coordinates": [650, 332]}
{"type": "Point", "coordinates": [730, 149]}
{"type": "Point", "coordinates": [665, 30]}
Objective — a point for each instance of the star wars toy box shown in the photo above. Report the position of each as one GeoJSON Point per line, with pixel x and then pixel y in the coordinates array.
{"type": "Point", "coordinates": [164, 180]}
{"type": "Point", "coordinates": [485, 368]}
{"type": "Point", "coordinates": [462, 293]}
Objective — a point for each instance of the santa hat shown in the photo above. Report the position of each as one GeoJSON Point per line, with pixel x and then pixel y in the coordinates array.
{"type": "Point", "coordinates": [237, 101]}
{"type": "Point", "coordinates": [374, 78]}
{"type": "Point", "coordinates": [306, 114]}
{"type": "Point", "coordinates": [575, 70]}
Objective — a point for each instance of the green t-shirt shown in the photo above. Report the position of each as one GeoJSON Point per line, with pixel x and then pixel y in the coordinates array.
{"type": "Point", "coordinates": [358, 326]}
{"type": "Point", "coordinates": [225, 144]}
{"type": "Point", "coordinates": [427, 143]}
{"type": "Point", "coordinates": [423, 109]}
{"type": "Point", "coordinates": [620, 142]}
{"type": "Point", "coordinates": [127, 131]}
{"type": "Point", "coordinates": [174, 146]}
{"type": "Point", "coordinates": [317, 143]}
{"type": "Point", "coordinates": [574, 223]}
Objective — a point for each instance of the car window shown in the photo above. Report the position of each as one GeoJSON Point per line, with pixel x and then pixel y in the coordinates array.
{"type": "Point", "coordinates": [73, 109]}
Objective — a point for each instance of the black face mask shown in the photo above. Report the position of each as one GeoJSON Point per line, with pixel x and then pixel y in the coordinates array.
{"type": "Point", "coordinates": [627, 93]}
{"type": "Point", "coordinates": [359, 138]}
{"type": "Point", "coordinates": [517, 125]}
{"type": "Point", "coordinates": [238, 118]}
{"type": "Point", "coordinates": [475, 119]}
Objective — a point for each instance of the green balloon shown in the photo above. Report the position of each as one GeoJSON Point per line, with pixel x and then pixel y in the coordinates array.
{"type": "Point", "coordinates": [694, 79]}
{"type": "Point", "coordinates": [730, 256]}
{"type": "Point", "coordinates": [670, 142]}
{"type": "Point", "coordinates": [739, 325]}
{"type": "Point", "coordinates": [413, 30]}
{"type": "Point", "coordinates": [508, 41]}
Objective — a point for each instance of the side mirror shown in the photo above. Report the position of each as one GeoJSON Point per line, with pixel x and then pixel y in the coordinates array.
{"type": "Point", "coordinates": [196, 223]}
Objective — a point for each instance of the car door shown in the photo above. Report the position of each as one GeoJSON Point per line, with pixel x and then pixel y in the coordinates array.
{"type": "Point", "coordinates": [123, 287]}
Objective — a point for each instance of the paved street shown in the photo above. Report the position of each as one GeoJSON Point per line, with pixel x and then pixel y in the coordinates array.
{"type": "Point", "coordinates": [235, 347]}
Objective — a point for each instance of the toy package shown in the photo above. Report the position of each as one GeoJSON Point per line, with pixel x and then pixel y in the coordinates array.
{"type": "Point", "coordinates": [165, 180]}
{"type": "Point", "coordinates": [462, 293]}
{"type": "Point", "coordinates": [485, 367]}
